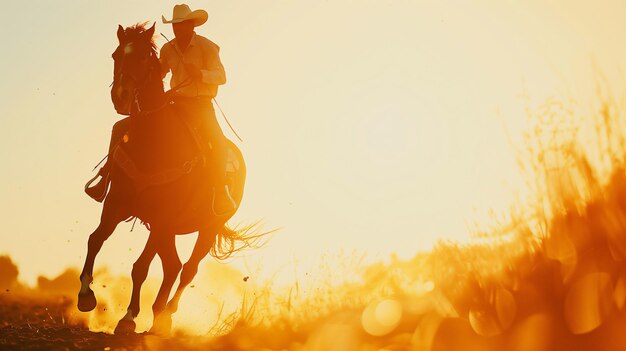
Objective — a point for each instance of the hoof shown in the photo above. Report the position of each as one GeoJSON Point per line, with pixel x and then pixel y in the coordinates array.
{"type": "Point", "coordinates": [87, 301]}
{"type": "Point", "coordinates": [125, 327]}
{"type": "Point", "coordinates": [162, 324]}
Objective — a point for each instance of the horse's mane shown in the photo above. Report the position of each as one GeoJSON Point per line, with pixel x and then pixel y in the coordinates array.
{"type": "Point", "coordinates": [135, 30]}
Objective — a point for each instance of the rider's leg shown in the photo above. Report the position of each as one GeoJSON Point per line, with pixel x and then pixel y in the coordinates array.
{"type": "Point", "coordinates": [201, 115]}
{"type": "Point", "coordinates": [99, 190]}
{"type": "Point", "coordinates": [117, 134]}
{"type": "Point", "coordinates": [223, 202]}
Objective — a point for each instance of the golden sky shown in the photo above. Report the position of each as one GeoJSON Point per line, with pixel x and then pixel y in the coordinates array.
{"type": "Point", "coordinates": [376, 126]}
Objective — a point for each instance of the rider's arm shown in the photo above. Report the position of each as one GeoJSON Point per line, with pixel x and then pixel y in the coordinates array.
{"type": "Point", "coordinates": [212, 69]}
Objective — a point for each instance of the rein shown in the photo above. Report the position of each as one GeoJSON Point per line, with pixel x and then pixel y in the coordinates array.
{"type": "Point", "coordinates": [168, 99]}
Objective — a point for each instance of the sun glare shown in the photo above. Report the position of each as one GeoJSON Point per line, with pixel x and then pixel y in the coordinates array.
{"type": "Point", "coordinates": [418, 176]}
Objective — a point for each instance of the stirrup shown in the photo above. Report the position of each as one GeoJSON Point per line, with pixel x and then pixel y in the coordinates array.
{"type": "Point", "coordinates": [105, 179]}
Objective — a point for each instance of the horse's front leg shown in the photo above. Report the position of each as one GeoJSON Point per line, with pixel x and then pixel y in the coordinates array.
{"type": "Point", "coordinates": [111, 216]}
{"type": "Point", "coordinates": [139, 273]}
{"type": "Point", "coordinates": [166, 249]}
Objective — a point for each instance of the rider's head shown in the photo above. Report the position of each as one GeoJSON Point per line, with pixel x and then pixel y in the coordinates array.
{"type": "Point", "coordinates": [184, 20]}
{"type": "Point", "coordinates": [183, 30]}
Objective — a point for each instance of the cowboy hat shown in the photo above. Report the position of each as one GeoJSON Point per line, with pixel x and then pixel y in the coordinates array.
{"type": "Point", "coordinates": [183, 13]}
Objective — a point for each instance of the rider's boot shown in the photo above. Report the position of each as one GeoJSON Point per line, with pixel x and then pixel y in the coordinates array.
{"type": "Point", "coordinates": [99, 191]}
{"type": "Point", "coordinates": [223, 202]}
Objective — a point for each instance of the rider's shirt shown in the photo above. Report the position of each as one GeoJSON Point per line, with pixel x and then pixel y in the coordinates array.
{"type": "Point", "coordinates": [201, 52]}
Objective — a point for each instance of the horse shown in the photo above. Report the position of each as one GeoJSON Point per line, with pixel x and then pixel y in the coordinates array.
{"type": "Point", "coordinates": [160, 176]}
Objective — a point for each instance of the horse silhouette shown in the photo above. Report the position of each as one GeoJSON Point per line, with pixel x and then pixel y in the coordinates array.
{"type": "Point", "coordinates": [160, 176]}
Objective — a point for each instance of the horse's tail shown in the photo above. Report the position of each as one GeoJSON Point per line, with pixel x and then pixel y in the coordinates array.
{"type": "Point", "coordinates": [232, 240]}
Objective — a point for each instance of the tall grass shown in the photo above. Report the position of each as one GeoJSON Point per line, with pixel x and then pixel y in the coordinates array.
{"type": "Point", "coordinates": [549, 275]}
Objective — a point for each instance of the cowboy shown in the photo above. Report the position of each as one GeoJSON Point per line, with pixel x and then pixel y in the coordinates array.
{"type": "Point", "coordinates": [196, 74]}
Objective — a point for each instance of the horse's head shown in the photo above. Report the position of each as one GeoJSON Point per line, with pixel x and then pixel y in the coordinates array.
{"type": "Point", "coordinates": [135, 60]}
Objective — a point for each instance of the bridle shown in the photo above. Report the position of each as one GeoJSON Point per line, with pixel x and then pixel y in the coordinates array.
{"type": "Point", "coordinates": [140, 86]}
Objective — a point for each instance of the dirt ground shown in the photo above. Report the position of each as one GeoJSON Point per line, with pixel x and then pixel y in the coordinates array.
{"type": "Point", "coordinates": [40, 324]}
{"type": "Point", "coordinates": [45, 323]}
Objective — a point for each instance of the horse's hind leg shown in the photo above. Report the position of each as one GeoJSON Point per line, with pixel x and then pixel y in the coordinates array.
{"type": "Point", "coordinates": [166, 249]}
{"type": "Point", "coordinates": [204, 243]}
{"type": "Point", "coordinates": [111, 216]}
{"type": "Point", "coordinates": [139, 273]}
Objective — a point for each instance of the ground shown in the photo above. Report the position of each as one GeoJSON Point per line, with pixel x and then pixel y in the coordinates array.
{"type": "Point", "coordinates": [40, 324]}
